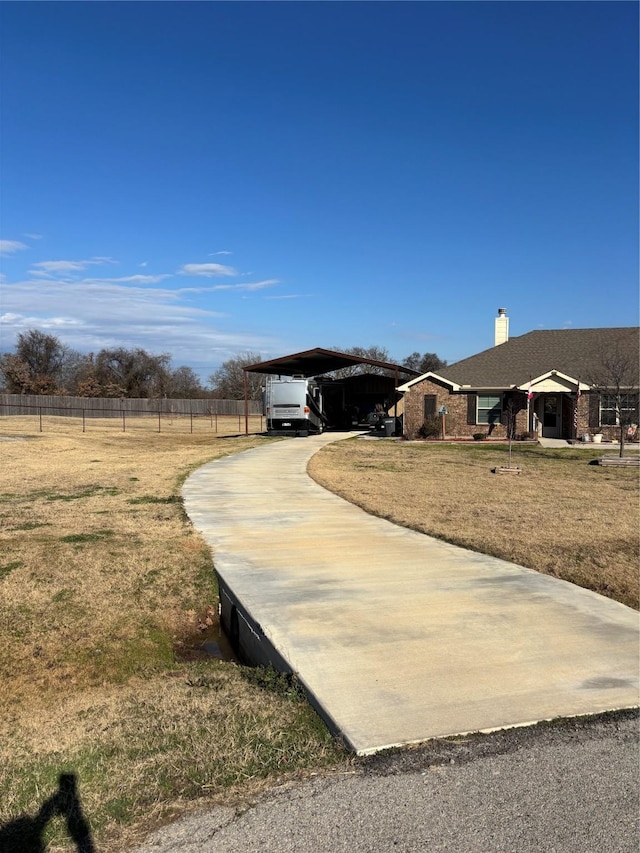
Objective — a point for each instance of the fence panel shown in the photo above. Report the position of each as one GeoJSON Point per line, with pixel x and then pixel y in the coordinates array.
{"type": "Point", "coordinates": [105, 407]}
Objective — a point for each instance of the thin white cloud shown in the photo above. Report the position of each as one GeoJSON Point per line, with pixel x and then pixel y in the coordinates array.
{"type": "Point", "coordinates": [23, 321]}
{"type": "Point", "coordinates": [255, 285]}
{"type": "Point", "coordinates": [286, 296]}
{"type": "Point", "coordinates": [99, 302]}
{"type": "Point", "coordinates": [207, 270]}
{"type": "Point", "coordinates": [33, 236]}
{"type": "Point", "coordinates": [128, 279]}
{"type": "Point", "coordinates": [144, 264]}
{"type": "Point", "coordinates": [8, 247]}
{"type": "Point", "coordinates": [212, 254]}
{"type": "Point", "coordinates": [52, 267]}
{"type": "Point", "coordinates": [48, 267]}
{"type": "Point", "coordinates": [91, 315]}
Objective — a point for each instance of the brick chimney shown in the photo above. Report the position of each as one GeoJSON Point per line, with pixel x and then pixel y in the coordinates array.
{"type": "Point", "coordinates": [502, 327]}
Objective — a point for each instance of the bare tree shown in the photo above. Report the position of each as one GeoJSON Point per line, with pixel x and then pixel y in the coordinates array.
{"type": "Point", "coordinates": [71, 371]}
{"type": "Point", "coordinates": [228, 381]}
{"type": "Point", "coordinates": [183, 383]}
{"type": "Point", "coordinates": [513, 402]}
{"type": "Point", "coordinates": [90, 381]}
{"type": "Point", "coordinates": [131, 372]}
{"type": "Point", "coordinates": [374, 353]}
{"type": "Point", "coordinates": [615, 379]}
{"type": "Point", "coordinates": [40, 364]}
{"type": "Point", "coordinates": [15, 374]}
{"type": "Point", "coordinates": [44, 354]}
{"type": "Point", "coordinates": [134, 373]}
{"type": "Point", "coordinates": [425, 363]}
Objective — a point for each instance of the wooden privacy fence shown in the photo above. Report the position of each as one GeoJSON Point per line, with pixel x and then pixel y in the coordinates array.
{"type": "Point", "coordinates": [109, 407]}
{"type": "Point", "coordinates": [158, 410]}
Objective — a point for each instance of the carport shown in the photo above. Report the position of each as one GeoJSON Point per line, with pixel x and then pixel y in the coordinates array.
{"type": "Point", "coordinates": [320, 362]}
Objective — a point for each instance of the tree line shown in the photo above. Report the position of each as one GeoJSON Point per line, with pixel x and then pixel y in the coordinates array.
{"type": "Point", "coordinates": [42, 364]}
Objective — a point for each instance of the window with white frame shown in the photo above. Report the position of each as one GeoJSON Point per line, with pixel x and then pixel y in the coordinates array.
{"type": "Point", "coordinates": [614, 409]}
{"type": "Point", "coordinates": [489, 408]}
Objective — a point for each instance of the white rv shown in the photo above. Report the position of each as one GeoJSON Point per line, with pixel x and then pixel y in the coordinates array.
{"type": "Point", "coordinates": [293, 406]}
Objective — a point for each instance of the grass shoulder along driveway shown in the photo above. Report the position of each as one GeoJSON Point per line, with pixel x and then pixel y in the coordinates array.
{"type": "Point", "coordinates": [104, 585]}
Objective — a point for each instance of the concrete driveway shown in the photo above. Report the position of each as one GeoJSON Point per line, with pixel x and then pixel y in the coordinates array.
{"type": "Point", "coordinates": [399, 637]}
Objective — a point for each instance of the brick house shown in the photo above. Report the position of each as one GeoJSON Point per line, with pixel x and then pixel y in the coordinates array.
{"type": "Point", "coordinates": [561, 383]}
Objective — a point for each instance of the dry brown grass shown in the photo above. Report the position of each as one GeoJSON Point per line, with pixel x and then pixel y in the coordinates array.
{"type": "Point", "coordinates": [154, 748]}
{"type": "Point", "coordinates": [102, 583]}
{"type": "Point", "coordinates": [171, 424]}
{"type": "Point", "coordinates": [100, 568]}
{"type": "Point", "coordinates": [561, 516]}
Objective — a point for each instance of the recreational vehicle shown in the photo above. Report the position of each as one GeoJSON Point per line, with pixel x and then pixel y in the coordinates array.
{"type": "Point", "coordinates": [293, 406]}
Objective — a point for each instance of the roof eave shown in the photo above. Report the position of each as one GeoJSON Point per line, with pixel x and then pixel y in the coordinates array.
{"type": "Point", "coordinates": [554, 373]}
{"type": "Point", "coordinates": [430, 375]}
{"type": "Point", "coordinates": [332, 361]}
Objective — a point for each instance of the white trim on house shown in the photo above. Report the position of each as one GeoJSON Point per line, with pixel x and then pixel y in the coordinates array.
{"type": "Point", "coordinates": [430, 375]}
{"type": "Point", "coordinates": [553, 382]}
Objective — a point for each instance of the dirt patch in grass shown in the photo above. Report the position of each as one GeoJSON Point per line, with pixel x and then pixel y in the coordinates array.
{"type": "Point", "coordinates": [103, 586]}
{"type": "Point", "coordinates": [562, 516]}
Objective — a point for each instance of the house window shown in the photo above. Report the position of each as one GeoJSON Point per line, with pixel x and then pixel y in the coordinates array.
{"type": "Point", "coordinates": [489, 408]}
{"type": "Point", "coordinates": [615, 409]}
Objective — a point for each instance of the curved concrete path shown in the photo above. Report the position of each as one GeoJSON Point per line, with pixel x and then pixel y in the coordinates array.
{"type": "Point", "coordinates": [399, 637]}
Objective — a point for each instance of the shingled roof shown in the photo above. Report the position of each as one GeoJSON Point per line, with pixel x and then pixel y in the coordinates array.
{"type": "Point", "coordinates": [573, 352]}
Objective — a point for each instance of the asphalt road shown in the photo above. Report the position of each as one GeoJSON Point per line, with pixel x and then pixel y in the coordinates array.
{"type": "Point", "coordinates": [570, 787]}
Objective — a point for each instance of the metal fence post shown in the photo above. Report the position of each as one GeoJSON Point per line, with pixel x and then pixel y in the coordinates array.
{"type": "Point", "coordinates": [40, 415]}
{"type": "Point", "coordinates": [83, 422]}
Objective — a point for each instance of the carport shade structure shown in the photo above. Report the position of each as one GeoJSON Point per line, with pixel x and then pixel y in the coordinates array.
{"type": "Point", "coordinates": [315, 362]}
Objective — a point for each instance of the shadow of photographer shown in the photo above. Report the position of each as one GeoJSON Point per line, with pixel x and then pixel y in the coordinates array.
{"type": "Point", "coordinates": [25, 833]}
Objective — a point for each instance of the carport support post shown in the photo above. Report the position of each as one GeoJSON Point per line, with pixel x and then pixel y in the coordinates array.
{"type": "Point", "coordinates": [246, 403]}
{"type": "Point", "coordinates": [395, 400]}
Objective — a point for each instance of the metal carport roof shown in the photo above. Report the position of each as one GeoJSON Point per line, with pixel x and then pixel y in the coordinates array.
{"type": "Point", "coordinates": [315, 362]}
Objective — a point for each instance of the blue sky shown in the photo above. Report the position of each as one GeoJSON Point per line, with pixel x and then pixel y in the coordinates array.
{"type": "Point", "coordinates": [205, 178]}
